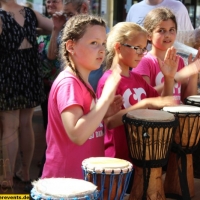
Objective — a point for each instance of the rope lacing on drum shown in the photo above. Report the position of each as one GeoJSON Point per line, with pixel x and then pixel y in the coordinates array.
{"type": "Point", "coordinates": [138, 155]}
{"type": "Point", "coordinates": [146, 171]}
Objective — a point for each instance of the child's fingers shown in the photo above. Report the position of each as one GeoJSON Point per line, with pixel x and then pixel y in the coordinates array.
{"type": "Point", "coordinates": [190, 58]}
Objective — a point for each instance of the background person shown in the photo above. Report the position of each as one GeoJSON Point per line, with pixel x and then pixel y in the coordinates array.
{"type": "Point", "coordinates": [70, 9]}
{"type": "Point", "coordinates": [50, 68]}
{"type": "Point", "coordinates": [21, 87]}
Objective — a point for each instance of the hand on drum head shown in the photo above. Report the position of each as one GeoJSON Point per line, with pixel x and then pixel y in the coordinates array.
{"type": "Point", "coordinates": [160, 102]}
{"type": "Point", "coordinates": [170, 64]}
{"type": "Point", "coordinates": [115, 106]}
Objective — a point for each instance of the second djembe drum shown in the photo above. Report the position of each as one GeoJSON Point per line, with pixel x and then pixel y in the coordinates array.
{"type": "Point", "coordinates": [195, 101]}
{"type": "Point", "coordinates": [179, 180]}
{"type": "Point", "coordinates": [149, 136]}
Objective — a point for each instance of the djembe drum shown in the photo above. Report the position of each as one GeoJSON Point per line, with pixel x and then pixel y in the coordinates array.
{"type": "Point", "coordinates": [111, 175]}
{"type": "Point", "coordinates": [195, 101]}
{"type": "Point", "coordinates": [149, 135]}
{"type": "Point", "coordinates": [179, 179]}
{"type": "Point", "coordinates": [63, 188]}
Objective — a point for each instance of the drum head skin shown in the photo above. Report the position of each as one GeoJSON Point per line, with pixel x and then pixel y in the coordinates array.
{"type": "Point", "coordinates": [107, 164]}
{"type": "Point", "coordinates": [150, 115]}
{"type": "Point", "coordinates": [182, 109]}
{"type": "Point", "coordinates": [195, 98]}
{"type": "Point", "coordinates": [62, 188]}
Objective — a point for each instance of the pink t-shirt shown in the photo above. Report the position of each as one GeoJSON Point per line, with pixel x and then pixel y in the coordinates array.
{"type": "Point", "coordinates": [63, 157]}
{"type": "Point", "coordinates": [133, 89]}
{"type": "Point", "coordinates": [149, 66]}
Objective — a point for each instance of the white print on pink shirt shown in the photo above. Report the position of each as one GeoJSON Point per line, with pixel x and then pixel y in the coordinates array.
{"type": "Point", "coordinates": [136, 93]}
{"type": "Point", "coordinates": [98, 133]}
{"type": "Point", "coordinates": [177, 87]}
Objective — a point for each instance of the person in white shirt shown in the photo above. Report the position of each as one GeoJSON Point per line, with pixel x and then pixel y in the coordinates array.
{"type": "Point", "coordinates": [185, 35]}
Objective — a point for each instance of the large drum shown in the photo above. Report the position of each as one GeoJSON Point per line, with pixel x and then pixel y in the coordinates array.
{"type": "Point", "coordinates": [195, 101]}
{"type": "Point", "coordinates": [179, 180]}
{"type": "Point", "coordinates": [149, 135]}
{"type": "Point", "coordinates": [63, 188]}
{"type": "Point", "coordinates": [111, 175]}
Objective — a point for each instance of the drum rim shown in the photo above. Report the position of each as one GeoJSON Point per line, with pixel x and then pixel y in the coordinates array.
{"type": "Point", "coordinates": [164, 117]}
{"type": "Point", "coordinates": [193, 98]}
{"type": "Point", "coordinates": [195, 109]}
{"type": "Point", "coordinates": [39, 192]}
{"type": "Point", "coordinates": [87, 166]}
{"type": "Point", "coordinates": [36, 195]}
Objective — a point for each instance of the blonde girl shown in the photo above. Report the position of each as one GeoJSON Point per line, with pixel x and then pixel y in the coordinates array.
{"type": "Point", "coordinates": [126, 45]}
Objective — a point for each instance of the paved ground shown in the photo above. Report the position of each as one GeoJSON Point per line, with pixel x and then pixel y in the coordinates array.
{"type": "Point", "coordinates": [39, 150]}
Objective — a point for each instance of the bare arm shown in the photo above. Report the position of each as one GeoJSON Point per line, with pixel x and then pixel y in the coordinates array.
{"type": "Point", "coordinates": [58, 22]}
{"type": "Point", "coordinates": [189, 87]}
{"type": "Point", "coordinates": [45, 24]}
{"type": "Point", "coordinates": [190, 70]}
{"type": "Point", "coordinates": [53, 46]}
{"type": "Point", "coordinates": [81, 126]}
{"type": "Point", "coordinates": [151, 103]}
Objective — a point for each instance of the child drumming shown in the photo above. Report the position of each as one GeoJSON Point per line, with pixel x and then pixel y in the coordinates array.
{"type": "Point", "coordinates": [126, 45]}
{"type": "Point", "coordinates": [162, 30]}
{"type": "Point", "coordinates": [74, 129]}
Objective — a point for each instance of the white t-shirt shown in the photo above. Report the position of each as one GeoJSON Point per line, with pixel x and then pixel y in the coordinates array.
{"type": "Point", "coordinates": [139, 10]}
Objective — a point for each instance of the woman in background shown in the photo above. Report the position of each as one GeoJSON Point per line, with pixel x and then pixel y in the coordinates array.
{"type": "Point", "coordinates": [21, 87]}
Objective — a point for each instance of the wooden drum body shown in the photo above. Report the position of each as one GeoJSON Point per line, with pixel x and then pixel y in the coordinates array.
{"type": "Point", "coordinates": [179, 180]}
{"type": "Point", "coordinates": [195, 101]}
{"type": "Point", "coordinates": [63, 188]}
{"type": "Point", "coordinates": [150, 136]}
{"type": "Point", "coordinates": [111, 175]}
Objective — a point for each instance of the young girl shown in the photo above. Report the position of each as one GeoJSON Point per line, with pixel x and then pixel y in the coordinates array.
{"type": "Point", "coordinates": [74, 130]}
{"type": "Point", "coordinates": [162, 29]}
{"type": "Point", "coordinates": [126, 45]}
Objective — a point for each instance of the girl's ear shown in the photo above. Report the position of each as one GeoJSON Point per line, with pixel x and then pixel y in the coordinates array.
{"type": "Point", "coordinates": [84, 8]}
{"type": "Point", "coordinates": [149, 38]}
{"type": "Point", "coordinates": [69, 45]}
{"type": "Point", "coordinates": [117, 47]}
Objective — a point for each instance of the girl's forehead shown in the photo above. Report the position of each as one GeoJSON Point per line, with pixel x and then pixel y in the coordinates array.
{"type": "Point", "coordinates": [95, 30]}
{"type": "Point", "coordinates": [137, 35]}
{"type": "Point", "coordinates": [168, 22]}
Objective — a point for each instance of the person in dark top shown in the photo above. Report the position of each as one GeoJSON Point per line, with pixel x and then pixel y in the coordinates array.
{"type": "Point", "coordinates": [21, 87]}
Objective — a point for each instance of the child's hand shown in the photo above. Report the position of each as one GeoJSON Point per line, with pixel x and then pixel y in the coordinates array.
{"type": "Point", "coordinates": [194, 64]}
{"type": "Point", "coordinates": [170, 64]}
{"type": "Point", "coordinates": [160, 102]}
{"type": "Point", "coordinates": [59, 19]}
{"type": "Point", "coordinates": [110, 87]}
{"type": "Point", "coordinates": [190, 59]}
{"type": "Point", "coordinates": [115, 106]}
